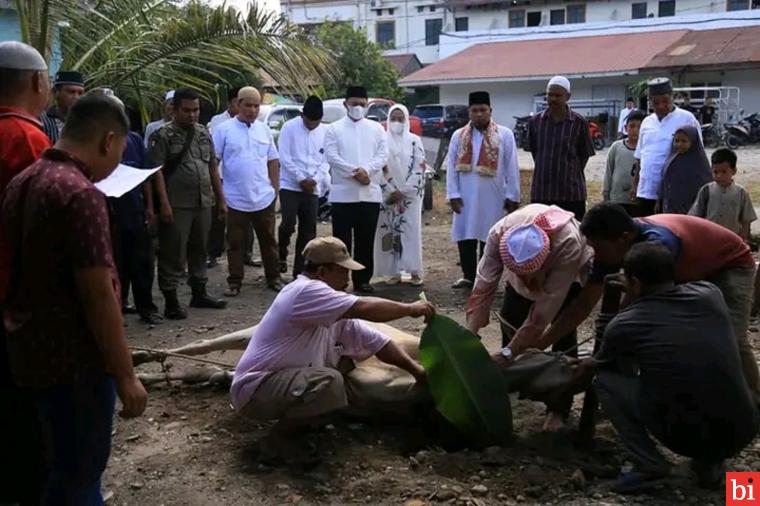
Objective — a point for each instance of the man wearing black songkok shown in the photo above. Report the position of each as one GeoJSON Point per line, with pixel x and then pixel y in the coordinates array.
{"type": "Point", "coordinates": [303, 170]}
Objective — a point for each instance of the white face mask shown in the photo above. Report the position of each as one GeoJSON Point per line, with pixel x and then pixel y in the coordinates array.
{"type": "Point", "coordinates": [356, 112]}
{"type": "Point", "coordinates": [396, 127]}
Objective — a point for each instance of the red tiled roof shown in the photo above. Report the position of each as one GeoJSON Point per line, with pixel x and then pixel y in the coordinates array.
{"type": "Point", "coordinates": [400, 61]}
{"type": "Point", "coordinates": [712, 47]}
{"type": "Point", "coordinates": [573, 56]}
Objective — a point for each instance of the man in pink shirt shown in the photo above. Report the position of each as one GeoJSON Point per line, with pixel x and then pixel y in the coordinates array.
{"type": "Point", "coordinates": [546, 261]}
{"type": "Point", "coordinates": [290, 370]}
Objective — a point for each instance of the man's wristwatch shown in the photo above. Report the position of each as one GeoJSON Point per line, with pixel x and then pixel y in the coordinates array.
{"type": "Point", "coordinates": [506, 352]}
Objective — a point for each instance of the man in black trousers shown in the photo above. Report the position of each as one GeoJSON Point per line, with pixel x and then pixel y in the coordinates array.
{"type": "Point", "coordinates": [357, 151]}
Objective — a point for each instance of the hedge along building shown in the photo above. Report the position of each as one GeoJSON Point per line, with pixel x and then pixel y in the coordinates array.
{"type": "Point", "coordinates": [602, 62]}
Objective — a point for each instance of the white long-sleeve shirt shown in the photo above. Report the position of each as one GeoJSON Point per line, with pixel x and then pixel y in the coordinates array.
{"type": "Point", "coordinates": [218, 120]}
{"type": "Point", "coordinates": [654, 147]}
{"type": "Point", "coordinates": [350, 145]}
{"type": "Point", "coordinates": [623, 116]}
{"type": "Point", "coordinates": [483, 196]}
{"type": "Point", "coordinates": [302, 155]}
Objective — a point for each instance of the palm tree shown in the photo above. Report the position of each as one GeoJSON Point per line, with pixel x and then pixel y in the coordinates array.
{"type": "Point", "coordinates": [139, 48]}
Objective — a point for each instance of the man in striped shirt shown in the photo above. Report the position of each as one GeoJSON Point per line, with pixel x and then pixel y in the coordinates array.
{"type": "Point", "coordinates": [560, 143]}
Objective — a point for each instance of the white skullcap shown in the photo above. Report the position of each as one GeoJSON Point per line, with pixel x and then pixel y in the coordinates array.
{"type": "Point", "coordinates": [19, 56]}
{"type": "Point", "coordinates": [560, 81]}
{"type": "Point", "coordinates": [524, 248]}
{"type": "Point", "coordinates": [169, 95]}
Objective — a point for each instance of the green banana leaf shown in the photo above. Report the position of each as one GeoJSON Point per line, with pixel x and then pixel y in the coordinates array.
{"type": "Point", "coordinates": [468, 387]}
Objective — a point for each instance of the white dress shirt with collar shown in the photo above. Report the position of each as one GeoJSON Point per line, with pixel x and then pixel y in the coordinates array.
{"type": "Point", "coordinates": [355, 144]}
{"type": "Point", "coordinates": [218, 120]}
{"type": "Point", "coordinates": [654, 147]}
{"type": "Point", "coordinates": [244, 151]}
{"type": "Point", "coordinates": [623, 116]}
{"type": "Point", "coordinates": [302, 155]}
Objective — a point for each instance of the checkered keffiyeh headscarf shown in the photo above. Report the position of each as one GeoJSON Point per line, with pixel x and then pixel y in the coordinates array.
{"type": "Point", "coordinates": [524, 248]}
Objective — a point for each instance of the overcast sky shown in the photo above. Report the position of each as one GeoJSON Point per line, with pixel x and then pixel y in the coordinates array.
{"type": "Point", "coordinates": [243, 4]}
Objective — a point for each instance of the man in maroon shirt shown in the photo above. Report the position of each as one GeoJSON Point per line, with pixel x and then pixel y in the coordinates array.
{"type": "Point", "coordinates": [704, 251]}
{"type": "Point", "coordinates": [23, 96]}
{"type": "Point", "coordinates": [63, 323]}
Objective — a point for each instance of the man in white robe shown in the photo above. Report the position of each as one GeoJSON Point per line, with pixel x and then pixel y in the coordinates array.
{"type": "Point", "coordinates": [357, 151]}
{"type": "Point", "coordinates": [482, 182]}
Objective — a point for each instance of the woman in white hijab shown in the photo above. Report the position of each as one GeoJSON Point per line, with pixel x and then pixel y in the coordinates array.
{"type": "Point", "coordinates": [398, 241]}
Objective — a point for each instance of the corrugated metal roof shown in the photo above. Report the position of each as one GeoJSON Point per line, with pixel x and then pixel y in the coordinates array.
{"type": "Point", "coordinates": [512, 60]}
{"type": "Point", "coordinates": [713, 47]}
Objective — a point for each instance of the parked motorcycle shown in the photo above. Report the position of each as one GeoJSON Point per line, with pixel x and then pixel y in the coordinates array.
{"type": "Point", "coordinates": [521, 131]}
{"type": "Point", "coordinates": [710, 135]}
{"type": "Point", "coordinates": [744, 132]}
{"type": "Point", "coordinates": [597, 137]}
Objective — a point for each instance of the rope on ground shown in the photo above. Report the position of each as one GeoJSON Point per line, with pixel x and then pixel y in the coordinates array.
{"type": "Point", "coordinates": [165, 353]}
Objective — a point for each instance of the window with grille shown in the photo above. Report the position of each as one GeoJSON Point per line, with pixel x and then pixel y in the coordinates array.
{"type": "Point", "coordinates": [638, 10]}
{"type": "Point", "coordinates": [461, 24]}
{"type": "Point", "coordinates": [534, 18]}
{"type": "Point", "coordinates": [576, 13]}
{"type": "Point", "coordinates": [433, 29]}
{"type": "Point", "coordinates": [666, 8]}
{"type": "Point", "coordinates": [385, 33]}
{"type": "Point", "coordinates": [737, 5]}
{"type": "Point", "coordinates": [516, 19]}
{"type": "Point", "coordinates": [557, 17]}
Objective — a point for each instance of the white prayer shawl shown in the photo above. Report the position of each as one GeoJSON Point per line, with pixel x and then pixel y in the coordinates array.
{"type": "Point", "coordinates": [483, 197]}
{"type": "Point", "coordinates": [398, 239]}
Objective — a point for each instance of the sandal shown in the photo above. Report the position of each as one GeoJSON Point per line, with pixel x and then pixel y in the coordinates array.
{"type": "Point", "coordinates": [416, 280]}
{"type": "Point", "coordinates": [232, 291]}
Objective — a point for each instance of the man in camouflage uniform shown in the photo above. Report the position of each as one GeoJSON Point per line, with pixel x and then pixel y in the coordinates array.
{"type": "Point", "coordinates": [187, 186]}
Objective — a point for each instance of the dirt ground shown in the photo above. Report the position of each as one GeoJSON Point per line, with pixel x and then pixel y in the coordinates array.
{"type": "Point", "coordinates": [190, 448]}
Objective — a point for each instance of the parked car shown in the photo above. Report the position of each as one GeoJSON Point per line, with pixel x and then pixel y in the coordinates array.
{"type": "Point", "coordinates": [440, 120]}
{"type": "Point", "coordinates": [377, 110]}
{"type": "Point", "coordinates": [275, 115]}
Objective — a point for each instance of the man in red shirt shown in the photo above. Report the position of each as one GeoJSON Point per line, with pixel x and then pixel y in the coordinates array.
{"type": "Point", "coordinates": [63, 323]}
{"type": "Point", "coordinates": [23, 96]}
{"type": "Point", "coordinates": [704, 251]}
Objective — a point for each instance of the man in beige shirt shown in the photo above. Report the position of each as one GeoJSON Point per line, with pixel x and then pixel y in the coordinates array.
{"type": "Point", "coordinates": [546, 260]}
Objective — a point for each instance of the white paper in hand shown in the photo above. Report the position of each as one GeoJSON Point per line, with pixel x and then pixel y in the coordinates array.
{"type": "Point", "coordinates": [123, 179]}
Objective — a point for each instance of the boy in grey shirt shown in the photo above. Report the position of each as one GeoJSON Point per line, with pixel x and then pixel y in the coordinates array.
{"type": "Point", "coordinates": [618, 178]}
{"type": "Point", "coordinates": [723, 201]}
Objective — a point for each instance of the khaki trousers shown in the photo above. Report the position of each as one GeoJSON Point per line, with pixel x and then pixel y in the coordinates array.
{"type": "Point", "coordinates": [263, 225]}
{"type": "Point", "coordinates": [298, 393]}
{"type": "Point", "coordinates": [736, 286]}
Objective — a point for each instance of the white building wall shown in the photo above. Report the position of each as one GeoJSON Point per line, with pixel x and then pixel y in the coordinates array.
{"type": "Point", "coordinates": [515, 98]}
{"type": "Point", "coordinates": [490, 24]}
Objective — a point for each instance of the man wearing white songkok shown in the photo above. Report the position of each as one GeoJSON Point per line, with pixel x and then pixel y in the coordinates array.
{"type": "Point", "coordinates": [482, 182]}
{"type": "Point", "coordinates": [559, 140]}
{"type": "Point", "coordinates": [398, 240]}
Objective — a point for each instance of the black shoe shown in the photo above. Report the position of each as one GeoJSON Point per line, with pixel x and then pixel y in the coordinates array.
{"type": "Point", "coordinates": [151, 318]}
{"type": "Point", "coordinates": [283, 267]}
{"type": "Point", "coordinates": [173, 309]}
{"type": "Point", "coordinates": [128, 309]}
{"type": "Point", "coordinates": [201, 299]}
{"type": "Point", "coordinates": [365, 288]}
